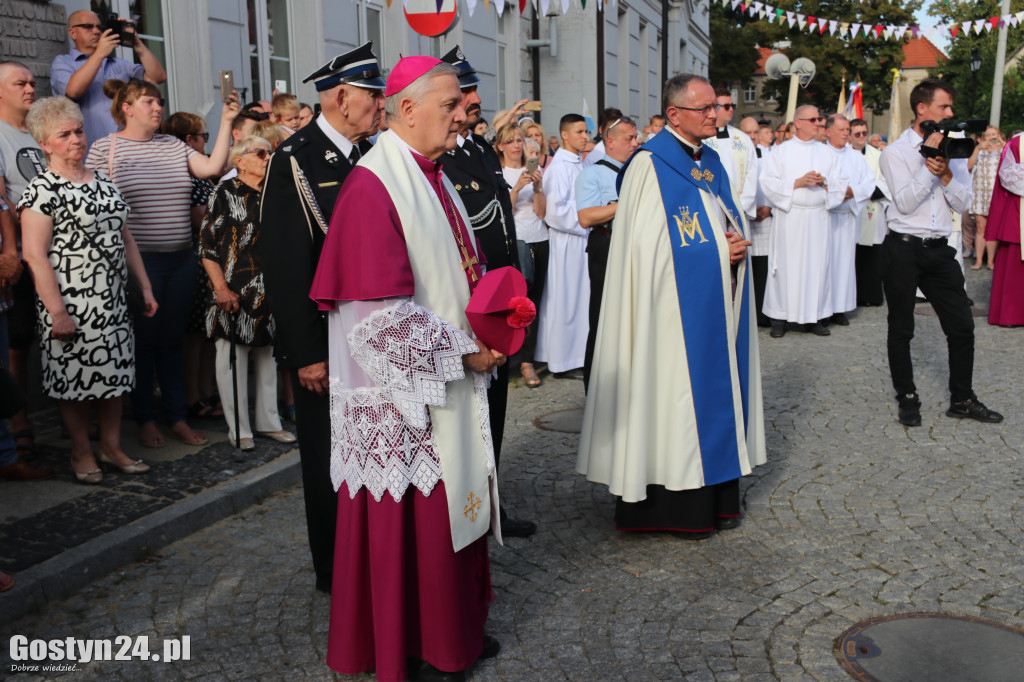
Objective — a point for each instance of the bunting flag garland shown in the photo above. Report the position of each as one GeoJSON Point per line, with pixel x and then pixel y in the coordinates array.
{"type": "Point", "coordinates": [848, 30]}
{"type": "Point", "coordinates": [522, 6]}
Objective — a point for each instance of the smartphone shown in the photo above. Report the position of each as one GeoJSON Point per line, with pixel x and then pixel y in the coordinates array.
{"type": "Point", "coordinates": [532, 105]}
{"type": "Point", "coordinates": [531, 166]}
{"type": "Point", "coordinates": [280, 87]}
{"type": "Point", "coordinates": [227, 84]}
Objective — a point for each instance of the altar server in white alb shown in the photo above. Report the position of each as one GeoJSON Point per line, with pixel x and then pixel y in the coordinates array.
{"type": "Point", "coordinates": [563, 326]}
{"type": "Point", "coordinates": [846, 218]}
{"type": "Point", "coordinates": [736, 151]}
{"type": "Point", "coordinates": [872, 222]}
{"type": "Point", "coordinates": [803, 180]}
{"type": "Point", "coordinates": [674, 415]}
{"type": "Point", "coordinates": [761, 228]}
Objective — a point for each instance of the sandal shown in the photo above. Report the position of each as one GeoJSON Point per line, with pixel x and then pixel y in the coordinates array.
{"type": "Point", "coordinates": [529, 375]}
{"type": "Point", "coordinates": [154, 440]}
{"type": "Point", "coordinates": [195, 438]}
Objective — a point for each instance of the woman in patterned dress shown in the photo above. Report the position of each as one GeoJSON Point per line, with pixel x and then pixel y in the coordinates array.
{"type": "Point", "coordinates": [983, 180]}
{"type": "Point", "coordinates": [75, 241]}
{"type": "Point", "coordinates": [228, 246]}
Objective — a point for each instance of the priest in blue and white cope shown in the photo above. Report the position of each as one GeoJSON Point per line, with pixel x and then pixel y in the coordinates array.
{"type": "Point", "coordinates": [674, 415]}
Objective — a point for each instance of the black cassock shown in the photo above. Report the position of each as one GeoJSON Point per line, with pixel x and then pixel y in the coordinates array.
{"type": "Point", "coordinates": [302, 183]}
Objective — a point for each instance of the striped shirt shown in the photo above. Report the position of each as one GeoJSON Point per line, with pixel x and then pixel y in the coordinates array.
{"type": "Point", "coordinates": [152, 176]}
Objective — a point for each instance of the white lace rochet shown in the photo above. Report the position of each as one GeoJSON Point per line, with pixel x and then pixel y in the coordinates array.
{"type": "Point", "coordinates": [393, 363]}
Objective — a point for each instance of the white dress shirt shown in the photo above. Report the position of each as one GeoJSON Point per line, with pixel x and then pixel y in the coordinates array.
{"type": "Point", "coordinates": [921, 206]}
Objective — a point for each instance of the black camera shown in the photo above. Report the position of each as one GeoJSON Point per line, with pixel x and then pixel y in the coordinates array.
{"type": "Point", "coordinates": [952, 147]}
{"type": "Point", "coordinates": [122, 28]}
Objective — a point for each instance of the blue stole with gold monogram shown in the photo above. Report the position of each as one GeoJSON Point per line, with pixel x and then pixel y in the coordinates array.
{"type": "Point", "coordinates": [705, 298]}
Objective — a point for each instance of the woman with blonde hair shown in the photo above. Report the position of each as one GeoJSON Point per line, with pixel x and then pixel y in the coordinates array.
{"type": "Point", "coordinates": [153, 174]}
{"type": "Point", "coordinates": [533, 131]}
{"type": "Point", "coordinates": [76, 241]}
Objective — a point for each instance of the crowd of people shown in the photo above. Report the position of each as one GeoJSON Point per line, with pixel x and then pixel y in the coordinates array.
{"type": "Point", "coordinates": [337, 246]}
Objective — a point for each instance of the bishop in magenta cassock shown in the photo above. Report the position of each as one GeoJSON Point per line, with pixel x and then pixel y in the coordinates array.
{"type": "Point", "coordinates": [411, 450]}
{"type": "Point", "coordinates": [1006, 226]}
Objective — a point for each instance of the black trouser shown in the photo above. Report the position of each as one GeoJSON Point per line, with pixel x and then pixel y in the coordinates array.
{"type": "Point", "coordinates": [597, 263]}
{"type": "Point", "coordinates": [497, 400]}
{"type": "Point", "coordinates": [868, 266]}
{"type": "Point", "coordinates": [540, 252]}
{"type": "Point", "coordinates": [906, 266]}
{"type": "Point", "coordinates": [313, 423]}
{"type": "Point", "coordinates": [759, 264]}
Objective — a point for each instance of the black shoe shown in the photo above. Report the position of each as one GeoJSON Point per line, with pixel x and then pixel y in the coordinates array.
{"type": "Point", "coordinates": [514, 528]}
{"type": "Point", "coordinates": [818, 329]}
{"type": "Point", "coordinates": [491, 647]}
{"type": "Point", "coordinates": [972, 409]}
{"type": "Point", "coordinates": [428, 673]}
{"type": "Point", "coordinates": [910, 409]}
{"type": "Point", "coordinates": [323, 583]}
{"type": "Point", "coordinates": [684, 535]}
{"type": "Point", "coordinates": [778, 329]}
{"type": "Point", "coordinates": [841, 319]}
{"type": "Point", "coordinates": [728, 522]}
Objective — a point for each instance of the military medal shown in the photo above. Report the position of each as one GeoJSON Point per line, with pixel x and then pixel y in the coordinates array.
{"type": "Point", "coordinates": [474, 185]}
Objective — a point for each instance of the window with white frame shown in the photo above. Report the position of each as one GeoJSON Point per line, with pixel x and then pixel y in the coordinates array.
{"type": "Point", "coordinates": [506, 23]}
{"type": "Point", "coordinates": [750, 95]}
{"type": "Point", "coordinates": [269, 47]}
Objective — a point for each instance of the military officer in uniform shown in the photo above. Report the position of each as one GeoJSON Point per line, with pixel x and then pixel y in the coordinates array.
{"type": "Point", "coordinates": [474, 169]}
{"type": "Point", "coordinates": [303, 180]}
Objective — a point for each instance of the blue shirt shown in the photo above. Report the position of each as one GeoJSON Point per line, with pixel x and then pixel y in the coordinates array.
{"type": "Point", "coordinates": [595, 185]}
{"type": "Point", "coordinates": [95, 105]}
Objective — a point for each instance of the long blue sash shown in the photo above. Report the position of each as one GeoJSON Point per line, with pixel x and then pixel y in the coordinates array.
{"type": "Point", "coordinates": [703, 300]}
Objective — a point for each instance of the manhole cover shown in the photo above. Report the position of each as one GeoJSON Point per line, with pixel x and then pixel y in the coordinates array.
{"type": "Point", "coordinates": [932, 646]}
{"type": "Point", "coordinates": [563, 421]}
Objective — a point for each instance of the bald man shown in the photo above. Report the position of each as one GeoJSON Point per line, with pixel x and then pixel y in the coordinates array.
{"type": "Point", "coordinates": [749, 126]}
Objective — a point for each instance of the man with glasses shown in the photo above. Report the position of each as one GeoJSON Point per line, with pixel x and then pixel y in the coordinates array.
{"type": "Point", "coordinates": [596, 200]}
{"type": "Point", "coordinates": [916, 254]}
{"type": "Point", "coordinates": [846, 218]}
{"type": "Point", "coordinates": [736, 150]}
{"type": "Point", "coordinates": [674, 414]}
{"type": "Point", "coordinates": [304, 177]}
{"type": "Point", "coordinates": [868, 261]}
{"type": "Point", "coordinates": [80, 74]}
{"type": "Point", "coordinates": [803, 180]}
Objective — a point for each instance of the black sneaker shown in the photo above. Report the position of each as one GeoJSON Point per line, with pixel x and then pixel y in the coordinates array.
{"type": "Point", "coordinates": [778, 329]}
{"type": "Point", "coordinates": [910, 409]}
{"type": "Point", "coordinates": [973, 409]}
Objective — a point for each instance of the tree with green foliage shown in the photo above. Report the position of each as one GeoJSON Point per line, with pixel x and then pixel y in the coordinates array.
{"type": "Point", "coordinates": [974, 94]}
{"type": "Point", "coordinates": [866, 59]}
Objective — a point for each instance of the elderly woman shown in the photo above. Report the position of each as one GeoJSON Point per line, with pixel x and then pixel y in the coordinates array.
{"type": "Point", "coordinates": [983, 180]}
{"type": "Point", "coordinates": [228, 243]}
{"type": "Point", "coordinates": [201, 400]}
{"type": "Point", "coordinates": [152, 172]}
{"type": "Point", "coordinates": [528, 201]}
{"type": "Point", "coordinates": [76, 241]}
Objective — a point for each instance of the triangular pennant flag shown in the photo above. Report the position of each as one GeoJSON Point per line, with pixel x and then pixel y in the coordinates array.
{"type": "Point", "coordinates": [565, 7]}
{"type": "Point", "coordinates": [735, 3]}
{"type": "Point", "coordinates": [955, 30]}
{"type": "Point", "coordinates": [779, 14]}
{"type": "Point", "coordinates": [967, 27]}
{"type": "Point", "coordinates": [1013, 21]}
{"type": "Point", "coordinates": [803, 24]}
{"type": "Point", "coordinates": [500, 6]}
{"type": "Point", "coordinates": [832, 26]}
{"type": "Point", "coordinates": [791, 17]}
{"type": "Point", "coordinates": [471, 6]}
{"type": "Point", "coordinates": [522, 6]}
{"type": "Point", "coordinates": [915, 30]}
{"type": "Point", "coordinates": [878, 30]}
{"type": "Point", "coordinates": [856, 29]}
{"type": "Point", "coordinates": [545, 5]}
{"type": "Point", "coordinates": [994, 23]}
{"type": "Point", "coordinates": [822, 27]}
{"type": "Point", "coordinates": [758, 6]}
{"type": "Point", "coordinates": [743, 7]}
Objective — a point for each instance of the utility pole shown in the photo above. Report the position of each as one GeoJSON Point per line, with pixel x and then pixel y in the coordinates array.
{"type": "Point", "coordinates": [997, 85]}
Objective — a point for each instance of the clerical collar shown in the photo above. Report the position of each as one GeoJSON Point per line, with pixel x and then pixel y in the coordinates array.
{"type": "Point", "coordinates": [343, 144]}
{"type": "Point", "coordinates": [864, 150]}
{"type": "Point", "coordinates": [693, 151]}
{"type": "Point", "coordinates": [723, 133]}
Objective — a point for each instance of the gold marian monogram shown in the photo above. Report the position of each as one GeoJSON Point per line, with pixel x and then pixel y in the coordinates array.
{"type": "Point", "coordinates": [472, 510]}
{"type": "Point", "coordinates": [687, 226]}
{"type": "Point", "coordinates": [695, 173]}
{"type": "Point", "coordinates": [709, 176]}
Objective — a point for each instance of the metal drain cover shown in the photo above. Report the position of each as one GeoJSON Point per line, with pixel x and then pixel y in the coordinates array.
{"type": "Point", "coordinates": [936, 647]}
{"type": "Point", "coordinates": [563, 421]}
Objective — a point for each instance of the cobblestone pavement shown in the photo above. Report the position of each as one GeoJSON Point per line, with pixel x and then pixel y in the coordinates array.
{"type": "Point", "coordinates": [853, 516]}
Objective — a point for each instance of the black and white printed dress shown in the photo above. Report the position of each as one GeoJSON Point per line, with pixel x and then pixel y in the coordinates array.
{"type": "Point", "coordinates": [87, 255]}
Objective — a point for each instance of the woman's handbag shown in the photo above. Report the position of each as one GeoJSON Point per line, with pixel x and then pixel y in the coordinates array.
{"type": "Point", "coordinates": [12, 400]}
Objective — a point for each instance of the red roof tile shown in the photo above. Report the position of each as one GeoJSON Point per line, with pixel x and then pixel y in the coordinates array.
{"type": "Point", "coordinates": [762, 55]}
{"type": "Point", "coordinates": [921, 53]}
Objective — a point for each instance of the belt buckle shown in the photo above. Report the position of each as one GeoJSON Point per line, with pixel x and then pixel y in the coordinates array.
{"type": "Point", "coordinates": [932, 242]}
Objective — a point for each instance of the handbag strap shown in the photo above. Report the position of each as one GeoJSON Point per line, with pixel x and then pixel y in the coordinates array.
{"type": "Point", "coordinates": [110, 157]}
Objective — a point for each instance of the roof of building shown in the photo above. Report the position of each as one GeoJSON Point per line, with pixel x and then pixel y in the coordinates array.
{"type": "Point", "coordinates": [917, 53]}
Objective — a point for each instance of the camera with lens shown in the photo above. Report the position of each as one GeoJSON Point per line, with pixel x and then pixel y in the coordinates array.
{"type": "Point", "coordinates": [122, 28]}
{"type": "Point", "coordinates": [952, 147]}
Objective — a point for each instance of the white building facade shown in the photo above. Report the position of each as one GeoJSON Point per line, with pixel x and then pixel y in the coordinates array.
{"type": "Point", "coordinates": [267, 41]}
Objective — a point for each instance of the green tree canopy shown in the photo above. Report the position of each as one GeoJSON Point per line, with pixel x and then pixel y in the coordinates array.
{"type": "Point", "coordinates": [866, 59]}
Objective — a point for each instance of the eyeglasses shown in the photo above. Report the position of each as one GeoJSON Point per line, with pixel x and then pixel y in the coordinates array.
{"type": "Point", "coordinates": [813, 119]}
{"type": "Point", "coordinates": [703, 111]}
{"type": "Point", "coordinates": [728, 107]}
{"type": "Point", "coordinates": [205, 136]}
{"type": "Point", "coordinates": [261, 154]}
{"type": "Point", "coordinates": [88, 27]}
{"type": "Point", "coordinates": [862, 133]}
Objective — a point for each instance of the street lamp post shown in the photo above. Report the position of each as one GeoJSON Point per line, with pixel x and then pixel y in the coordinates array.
{"type": "Point", "coordinates": [975, 68]}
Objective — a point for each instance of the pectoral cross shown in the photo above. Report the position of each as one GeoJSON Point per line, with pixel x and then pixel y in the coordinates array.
{"type": "Point", "coordinates": [468, 262]}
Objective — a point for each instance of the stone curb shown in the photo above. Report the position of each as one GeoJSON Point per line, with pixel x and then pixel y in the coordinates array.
{"type": "Point", "coordinates": [73, 569]}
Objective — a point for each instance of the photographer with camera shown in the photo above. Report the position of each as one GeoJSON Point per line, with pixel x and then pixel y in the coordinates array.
{"type": "Point", "coordinates": [80, 74]}
{"type": "Point", "coordinates": [926, 189]}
